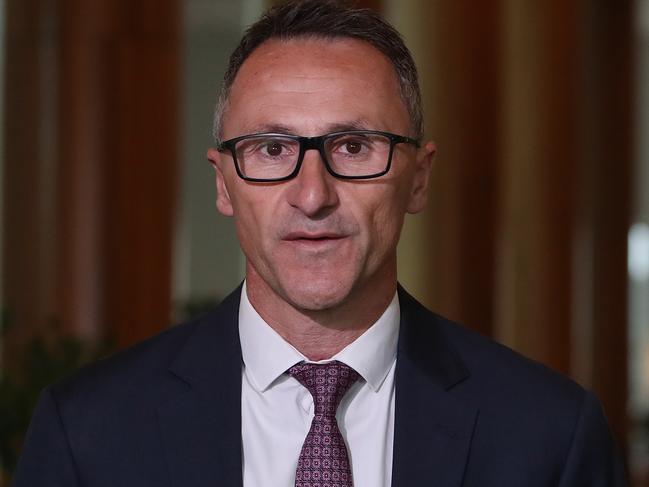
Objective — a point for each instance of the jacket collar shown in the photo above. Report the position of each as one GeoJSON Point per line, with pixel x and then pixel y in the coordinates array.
{"type": "Point", "coordinates": [201, 427]}
{"type": "Point", "coordinates": [433, 429]}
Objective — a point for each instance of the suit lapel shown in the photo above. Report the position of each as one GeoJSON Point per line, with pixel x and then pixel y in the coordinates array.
{"type": "Point", "coordinates": [201, 425]}
{"type": "Point", "coordinates": [433, 429]}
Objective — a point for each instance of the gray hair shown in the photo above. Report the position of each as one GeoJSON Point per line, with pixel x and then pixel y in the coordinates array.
{"type": "Point", "coordinates": [327, 19]}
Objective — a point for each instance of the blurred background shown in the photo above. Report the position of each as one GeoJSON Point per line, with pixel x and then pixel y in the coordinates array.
{"type": "Point", "coordinates": [537, 231]}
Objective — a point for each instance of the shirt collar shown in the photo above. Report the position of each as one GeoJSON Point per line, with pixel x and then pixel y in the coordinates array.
{"type": "Point", "coordinates": [267, 355]}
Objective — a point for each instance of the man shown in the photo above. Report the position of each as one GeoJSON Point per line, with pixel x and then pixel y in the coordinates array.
{"type": "Point", "coordinates": [319, 369]}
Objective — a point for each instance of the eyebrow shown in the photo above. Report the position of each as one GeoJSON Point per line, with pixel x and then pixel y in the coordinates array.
{"type": "Point", "coordinates": [359, 124]}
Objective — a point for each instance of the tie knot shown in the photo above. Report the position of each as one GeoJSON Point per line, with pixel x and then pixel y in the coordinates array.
{"type": "Point", "coordinates": [327, 383]}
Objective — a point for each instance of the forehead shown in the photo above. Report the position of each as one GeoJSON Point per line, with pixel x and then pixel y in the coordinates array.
{"type": "Point", "coordinates": [313, 83]}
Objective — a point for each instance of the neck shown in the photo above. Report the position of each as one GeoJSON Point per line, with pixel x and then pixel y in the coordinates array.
{"type": "Point", "coordinates": [321, 333]}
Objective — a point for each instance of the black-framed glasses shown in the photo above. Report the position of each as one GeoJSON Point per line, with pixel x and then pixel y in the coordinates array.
{"type": "Point", "coordinates": [353, 154]}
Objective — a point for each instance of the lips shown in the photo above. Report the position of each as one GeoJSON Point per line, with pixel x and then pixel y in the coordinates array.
{"type": "Point", "coordinates": [312, 236]}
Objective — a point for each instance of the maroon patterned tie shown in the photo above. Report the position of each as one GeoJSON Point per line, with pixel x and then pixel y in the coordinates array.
{"type": "Point", "coordinates": [324, 461]}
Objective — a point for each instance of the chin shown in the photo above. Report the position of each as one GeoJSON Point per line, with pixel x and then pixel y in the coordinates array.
{"type": "Point", "coordinates": [317, 294]}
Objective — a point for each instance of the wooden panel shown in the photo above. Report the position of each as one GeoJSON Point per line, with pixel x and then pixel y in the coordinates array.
{"type": "Point", "coordinates": [463, 119]}
{"type": "Point", "coordinates": [539, 153]}
{"type": "Point", "coordinates": [142, 144]}
{"type": "Point", "coordinates": [119, 72]}
{"type": "Point", "coordinates": [81, 158]}
{"type": "Point", "coordinates": [88, 241]}
{"type": "Point", "coordinates": [603, 207]}
{"type": "Point", "coordinates": [24, 295]}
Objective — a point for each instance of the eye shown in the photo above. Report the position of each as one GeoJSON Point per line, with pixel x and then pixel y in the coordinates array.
{"type": "Point", "coordinates": [273, 148]}
{"type": "Point", "coordinates": [353, 146]}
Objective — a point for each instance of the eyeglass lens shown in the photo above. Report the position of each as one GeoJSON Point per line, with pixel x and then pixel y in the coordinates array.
{"type": "Point", "coordinates": [274, 156]}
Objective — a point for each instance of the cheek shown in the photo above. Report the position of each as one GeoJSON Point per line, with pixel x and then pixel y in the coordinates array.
{"type": "Point", "coordinates": [252, 215]}
{"type": "Point", "coordinates": [388, 220]}
{"type": "Point", "coordinates": [381, 217]}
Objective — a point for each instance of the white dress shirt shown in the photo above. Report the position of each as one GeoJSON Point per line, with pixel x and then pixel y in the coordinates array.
{"type": "Point", "coordinates": [276, 410]}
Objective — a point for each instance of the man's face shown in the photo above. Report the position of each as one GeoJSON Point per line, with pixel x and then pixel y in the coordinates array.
{"type": "Point", "coordinates": [316, 241]}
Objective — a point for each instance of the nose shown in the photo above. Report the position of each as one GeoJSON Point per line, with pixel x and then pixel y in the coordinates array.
{"type": "Point", "coordinates": [314, 190]}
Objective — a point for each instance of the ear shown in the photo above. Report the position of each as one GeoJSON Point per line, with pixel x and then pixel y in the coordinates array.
{"type": "Point", "coordinates": [419, 189]}
{"type": "Point", "coordinates": [223, 201]}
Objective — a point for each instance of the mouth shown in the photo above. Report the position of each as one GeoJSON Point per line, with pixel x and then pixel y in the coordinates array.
{"type": "Point", "coordinates": [313, 239]}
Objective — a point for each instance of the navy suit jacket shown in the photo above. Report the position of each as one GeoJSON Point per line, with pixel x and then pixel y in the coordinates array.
{"type": "Point", "coordinates": [468, 412]}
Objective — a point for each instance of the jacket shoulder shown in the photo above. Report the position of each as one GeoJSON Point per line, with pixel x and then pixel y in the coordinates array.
{"type": "Point", "coordinates": [495, 374]}
{"type": "Point", "coordinates": [144, 372]}
{"type": "Point", "coordinates": [127, 374]}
